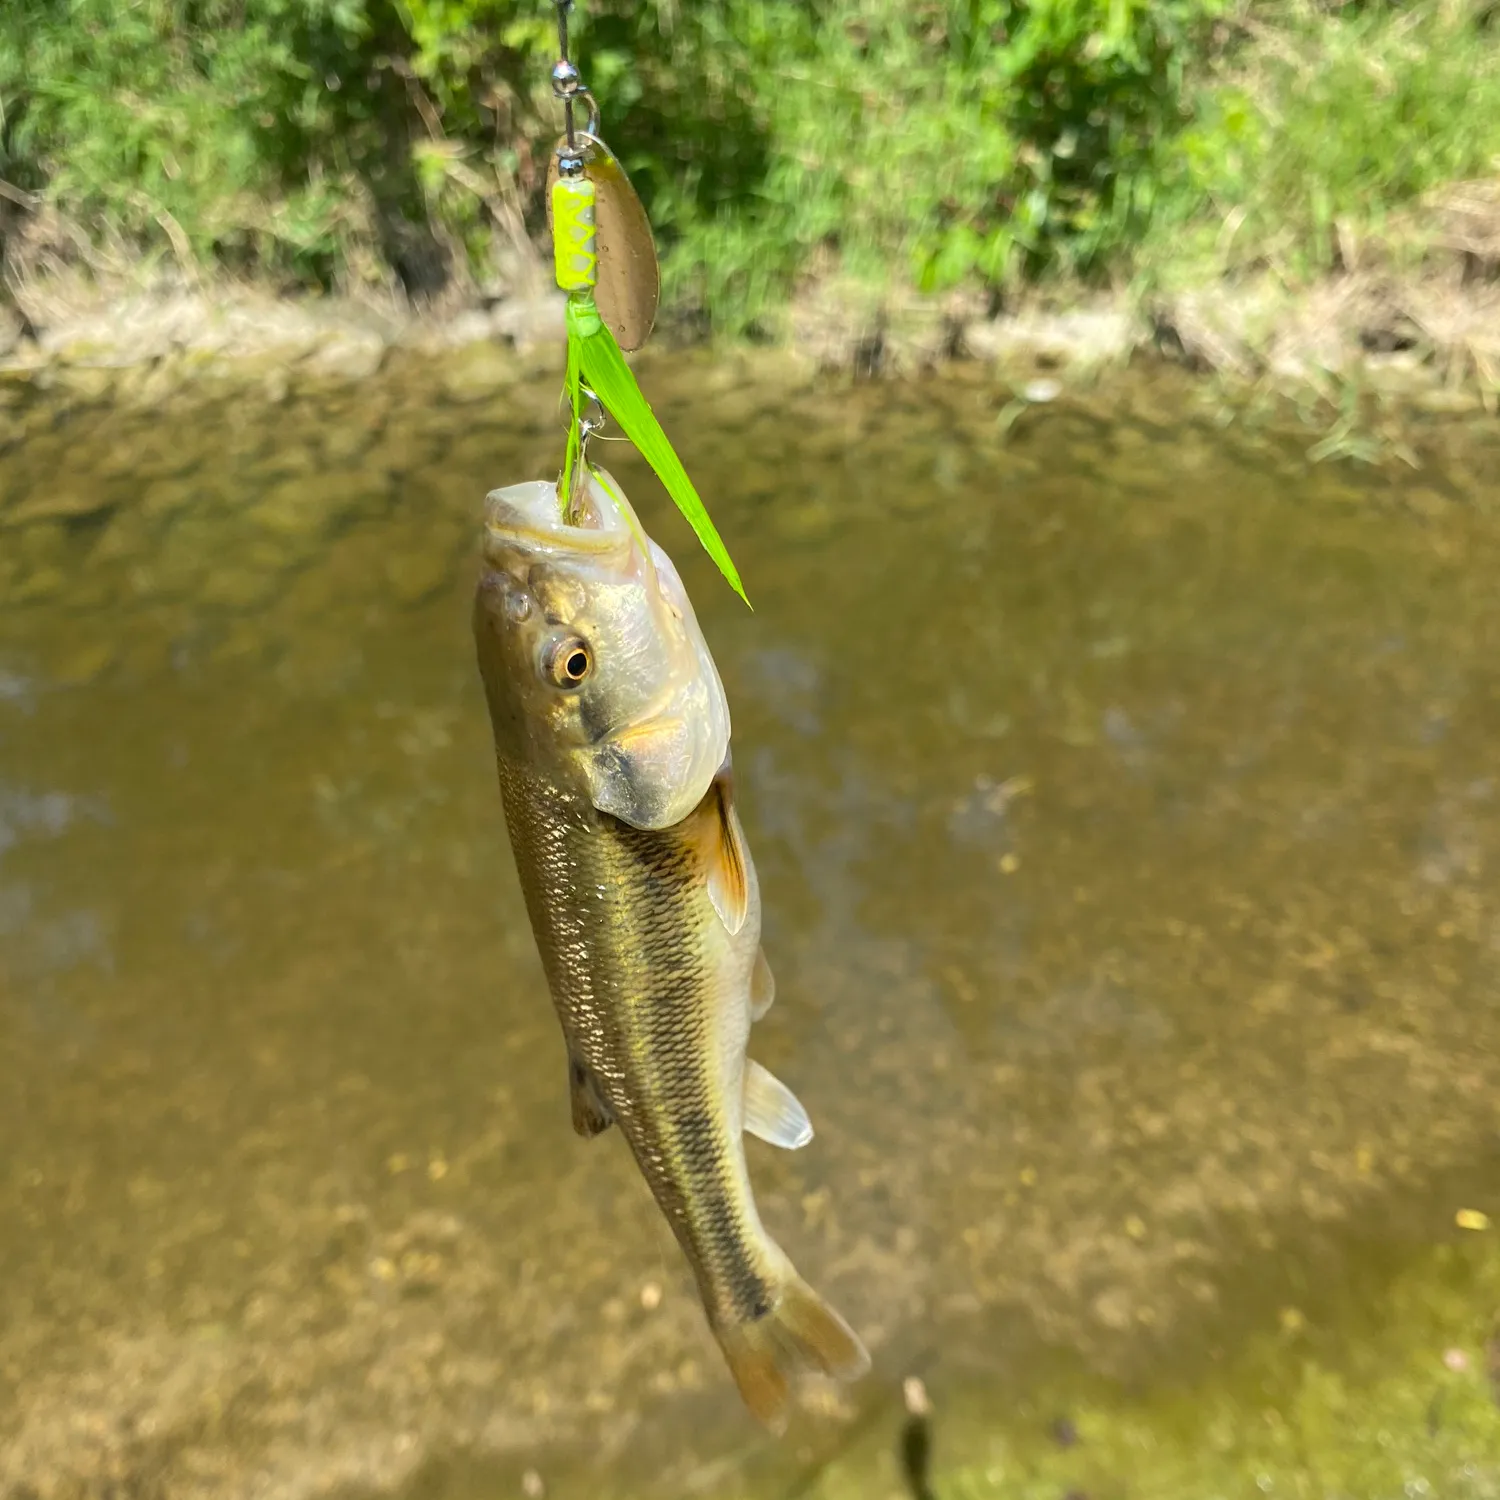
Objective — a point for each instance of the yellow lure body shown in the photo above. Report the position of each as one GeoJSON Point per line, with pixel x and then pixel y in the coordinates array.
{"type": "Point", "coordinates": [575, 249]}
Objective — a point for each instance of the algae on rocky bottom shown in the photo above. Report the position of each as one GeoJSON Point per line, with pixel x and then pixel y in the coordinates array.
{"type": "Point", "coordinates": [1405, 1404]}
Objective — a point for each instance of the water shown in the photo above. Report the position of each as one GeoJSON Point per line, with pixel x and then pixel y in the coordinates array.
{"type": "Point", "coordinates": [1125, 798]}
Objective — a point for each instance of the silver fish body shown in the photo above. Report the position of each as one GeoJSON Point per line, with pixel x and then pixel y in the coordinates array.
{"type": "Point", "coordinates": [612, 734]}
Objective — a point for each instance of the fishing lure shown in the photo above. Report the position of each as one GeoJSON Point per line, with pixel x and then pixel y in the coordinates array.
{"type": "Point", "coordinates": [605, 261]}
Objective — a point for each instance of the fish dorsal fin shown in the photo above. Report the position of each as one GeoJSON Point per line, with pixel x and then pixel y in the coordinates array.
{"type": "Point", "coordinates": [591, 1115]}
{"type": "Point", "coordinates": [728, 859]}
{"type": "Point", "coordinates": [762, 986]}
{"type": "Point", "coordinates": [772, 1111]}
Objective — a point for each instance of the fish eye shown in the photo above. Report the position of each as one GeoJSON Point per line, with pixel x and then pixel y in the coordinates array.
{"type": "Point", "coordinates": [568, 661]}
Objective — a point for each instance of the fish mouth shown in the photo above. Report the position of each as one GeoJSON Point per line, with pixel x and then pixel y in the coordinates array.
{"type": "Point", "coordinates": [527, 518]}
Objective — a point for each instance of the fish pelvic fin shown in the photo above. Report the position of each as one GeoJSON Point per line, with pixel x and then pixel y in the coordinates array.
{"type": "Point", "coordinates": [801, 1332]}
{"type": "Point", "coordinates": [591, 1115]}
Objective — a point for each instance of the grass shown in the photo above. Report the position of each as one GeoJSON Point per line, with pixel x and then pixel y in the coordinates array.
{"type": "Point", "coordinates": [942, 145]}
{"type": "Point", "coordinates": [905, 144]}
{"type": "Point", "coordinates": [1317, 135]}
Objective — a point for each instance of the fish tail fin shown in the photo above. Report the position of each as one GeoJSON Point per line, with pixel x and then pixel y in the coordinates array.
{"type": "Point", "coordinates": [801, 1332]}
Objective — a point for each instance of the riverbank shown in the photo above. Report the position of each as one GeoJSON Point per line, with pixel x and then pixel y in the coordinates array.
{"type": "Point", "coordinates": [1425, 342]}
{"type": "Point", "coordinates": [1299, 197]}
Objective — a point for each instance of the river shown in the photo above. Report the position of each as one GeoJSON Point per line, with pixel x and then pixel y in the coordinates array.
{"type": "Point", "coordinates": [1125, 794]}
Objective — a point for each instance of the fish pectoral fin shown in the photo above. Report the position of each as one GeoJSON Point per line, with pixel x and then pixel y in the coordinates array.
{"type": "Point", "coordinates": [728, 861]}
{"type": "Point", "coordinates": [762, 986]}
{"type": "Point", "coordinates": [591, 1115]}
{"type": "Point", "coordinates": [772, 1111]}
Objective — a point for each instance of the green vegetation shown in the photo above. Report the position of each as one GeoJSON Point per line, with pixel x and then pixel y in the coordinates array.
{"type": "Point", "coordinates": [937, 143]}
{"type": "Point", "coordinates": [1405, 1403]}
{"type": "Point", "coordinates": [1322, 126]}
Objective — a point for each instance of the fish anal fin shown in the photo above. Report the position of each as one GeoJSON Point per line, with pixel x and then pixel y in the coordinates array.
{"type": "Point", "coordinates": [728, 858]}
{"type": "Point", "coordinates": [772, 1111]}
{"type": "Point", "coordinates": [800, 1333]}
{"type": "Point", "coordinates": [762, 986]}
{"type": "Point", "coordinates": [591, 1115]}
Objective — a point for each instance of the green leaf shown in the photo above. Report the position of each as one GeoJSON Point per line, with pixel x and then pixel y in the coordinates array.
{"type": "Point", "coordinates": [610, 378]}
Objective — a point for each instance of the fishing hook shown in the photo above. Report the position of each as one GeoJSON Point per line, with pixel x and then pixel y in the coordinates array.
{"type": "Point", "coordinates": [592, 423]}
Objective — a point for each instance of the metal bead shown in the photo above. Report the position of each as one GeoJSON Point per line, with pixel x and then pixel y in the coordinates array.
{"type": "Point", "coordinates": [570, 164]}
{"type": "Point", "coordinates": [565, 79]}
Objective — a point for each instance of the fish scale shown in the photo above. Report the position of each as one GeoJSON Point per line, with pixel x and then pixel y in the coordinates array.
{"type": "Point", "coordinates": [638, 998]}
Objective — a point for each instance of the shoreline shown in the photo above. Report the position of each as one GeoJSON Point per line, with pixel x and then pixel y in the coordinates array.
{"type": "Point", "coordinates": [1421, 344]}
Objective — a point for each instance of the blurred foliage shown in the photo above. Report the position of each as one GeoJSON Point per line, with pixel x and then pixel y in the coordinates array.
{"type": "Point", "coordinates": [951, 141]}
{"type": "Point", "coordinates": [937, 142]}
{"type": "Point", "coordinates": [289, 137]}
{"type": "Point", "coordinates": [1322, 124]}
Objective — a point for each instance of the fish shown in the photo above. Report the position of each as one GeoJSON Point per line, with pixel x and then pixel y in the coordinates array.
{"type": "Point", "coordinates": [611, 731]}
